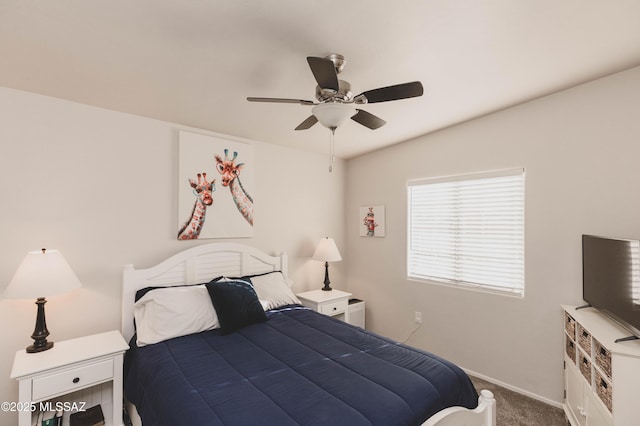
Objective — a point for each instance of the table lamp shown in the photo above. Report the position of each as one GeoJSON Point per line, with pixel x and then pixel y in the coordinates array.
{"type": "Point", "coordinates": [327, 251]}
{"type": "Point", "coordinates": [41, 273]}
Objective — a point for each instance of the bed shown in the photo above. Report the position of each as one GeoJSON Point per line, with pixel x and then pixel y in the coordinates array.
{"type": "Point", "coordinates": [262, 358]}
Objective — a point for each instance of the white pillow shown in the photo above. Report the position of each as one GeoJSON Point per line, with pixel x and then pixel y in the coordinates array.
{"type": "Point", "coordinates": [273, 290]}
{"type": "Point", "coordinates": [170, 312]}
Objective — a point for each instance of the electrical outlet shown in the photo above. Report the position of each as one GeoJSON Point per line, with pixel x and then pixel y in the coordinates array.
{"type": "Point", "coordinates": [417, 317]}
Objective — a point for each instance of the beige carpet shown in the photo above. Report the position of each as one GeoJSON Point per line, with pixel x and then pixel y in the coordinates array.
{"type": "Point", "coordinates": [514, 409]}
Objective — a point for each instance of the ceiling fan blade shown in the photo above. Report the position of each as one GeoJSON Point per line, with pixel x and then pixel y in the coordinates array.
{"type": "Point", "coordinates": [368, 120]}
{"type": "Point", "coordinates": [310, 121]}
{"type": "Point", "coordinates": [281, 100]}
{"type": "Point", "coordinates": [391, 93]}
{"type": "Point", "coordinates": [324, 71]}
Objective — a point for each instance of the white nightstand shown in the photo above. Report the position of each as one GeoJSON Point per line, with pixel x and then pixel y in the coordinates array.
{"type": "Point", "coordinates": [84, 370]}
{"type": "Point", "coordinates": [333, 303]}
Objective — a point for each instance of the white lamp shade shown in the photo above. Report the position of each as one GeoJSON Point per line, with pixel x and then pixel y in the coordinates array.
{"type": "Point", "coordinates": [327, 251]}
{"type": "Point", "coordinates": [41, 274]}
{"type": "Point", "coordinates": [333, 114]}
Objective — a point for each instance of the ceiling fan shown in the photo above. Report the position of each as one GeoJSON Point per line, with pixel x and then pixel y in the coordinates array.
{"type": "Point", "coordinates": [335, 101]}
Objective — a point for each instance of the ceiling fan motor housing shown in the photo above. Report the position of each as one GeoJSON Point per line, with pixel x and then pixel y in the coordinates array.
{"type": "Point", "coordinates": [343, 94]}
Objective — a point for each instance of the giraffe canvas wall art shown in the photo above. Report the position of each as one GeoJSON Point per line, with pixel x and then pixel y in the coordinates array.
{"type": "Point", "coordinates": [206, 208]}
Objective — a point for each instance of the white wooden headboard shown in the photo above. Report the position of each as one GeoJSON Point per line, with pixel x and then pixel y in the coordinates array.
{"type": "Point", "coordinates": [195, 265]}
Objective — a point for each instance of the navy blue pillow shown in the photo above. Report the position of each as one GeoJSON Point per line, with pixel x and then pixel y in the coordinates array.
{"type": "Point", "coordinates": [236, 304]}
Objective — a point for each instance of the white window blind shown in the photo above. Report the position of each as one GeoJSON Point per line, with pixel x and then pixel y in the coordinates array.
{"type": "Point", "coordinates": [468, 230]}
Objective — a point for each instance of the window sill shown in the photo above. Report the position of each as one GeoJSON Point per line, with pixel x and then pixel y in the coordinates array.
{"type": "Point", "coordinates": [468, 286]}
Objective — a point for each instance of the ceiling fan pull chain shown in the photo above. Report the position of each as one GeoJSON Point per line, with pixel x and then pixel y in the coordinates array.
{"type": "Point", "coordinates": [332, 156]}
{"type": "Point", "coordinates": [333, 151]}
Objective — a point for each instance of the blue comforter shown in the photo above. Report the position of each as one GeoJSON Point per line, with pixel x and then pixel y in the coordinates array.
{"type": "Point", "coordinates": [299, 367]}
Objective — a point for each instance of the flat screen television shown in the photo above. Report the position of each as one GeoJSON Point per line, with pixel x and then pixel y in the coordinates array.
{"type": "Point", "coordinates": [611, 278]}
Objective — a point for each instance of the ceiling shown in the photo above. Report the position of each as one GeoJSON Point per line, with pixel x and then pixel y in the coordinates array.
{"type": "Point", "coordinates": [194, 62]}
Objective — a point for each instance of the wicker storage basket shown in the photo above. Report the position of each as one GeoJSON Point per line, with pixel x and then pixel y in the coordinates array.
{"type": "Point", "coordinates": [603, 358]}
{"type": "Point", "coordinates": [584, 338]}
{"type": "Point", "coordinates": [604, 389]}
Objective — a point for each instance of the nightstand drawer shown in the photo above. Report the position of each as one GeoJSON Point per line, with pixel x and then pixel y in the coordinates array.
{"type": "Point", "coordinates": [66, 381]}
{"type": "Point", "coordinates": [334, 308]}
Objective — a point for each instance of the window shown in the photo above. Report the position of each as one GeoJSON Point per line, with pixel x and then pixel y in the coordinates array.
{"type": "Point", "coordinates": [468, 230]}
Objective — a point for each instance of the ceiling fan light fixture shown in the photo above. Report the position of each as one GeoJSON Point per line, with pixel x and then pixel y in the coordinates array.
{"type": "Point", "coordinates": [333, 114]}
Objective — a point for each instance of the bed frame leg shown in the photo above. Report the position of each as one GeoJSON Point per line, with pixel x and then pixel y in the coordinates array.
{"type": "Point", "coordinates": [487, 399]}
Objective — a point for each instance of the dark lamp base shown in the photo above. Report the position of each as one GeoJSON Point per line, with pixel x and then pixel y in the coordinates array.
{"type": "Point", "coordinates": [33, 348]}
{"type": "Point", "coordinates": [40, 332]}
{"type": "Point", "coordinates": [327, 283]}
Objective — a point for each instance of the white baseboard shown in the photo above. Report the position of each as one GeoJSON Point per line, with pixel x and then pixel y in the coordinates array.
{"type": "Point", "coordinates": [514, 388]}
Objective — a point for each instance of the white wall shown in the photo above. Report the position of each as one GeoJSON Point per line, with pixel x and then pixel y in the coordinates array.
{"type": "Point", "coordinates": [101, 187]}
{"type": "Point", "coordinates": [581, 152]}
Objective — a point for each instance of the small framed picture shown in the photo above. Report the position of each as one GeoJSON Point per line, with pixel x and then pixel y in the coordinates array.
{"type": "Point", "coordinates": [372, 221]}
